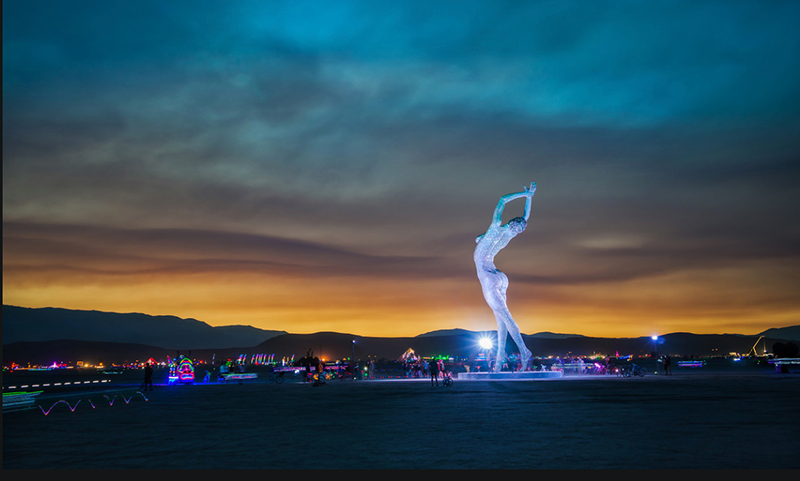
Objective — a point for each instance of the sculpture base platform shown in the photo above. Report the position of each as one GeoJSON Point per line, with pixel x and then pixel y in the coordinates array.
{"type": "Point", "coordinates": [509, 376]}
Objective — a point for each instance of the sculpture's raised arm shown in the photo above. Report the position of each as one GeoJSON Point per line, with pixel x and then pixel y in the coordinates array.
{"type": "Point", "coordinates": [530, 191]}
{"type": "Point", "coordinates": [497, 220]}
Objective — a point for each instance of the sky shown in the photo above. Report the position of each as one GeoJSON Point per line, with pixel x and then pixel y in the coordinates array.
{"type": "Point", "coordinates": [318, 166]}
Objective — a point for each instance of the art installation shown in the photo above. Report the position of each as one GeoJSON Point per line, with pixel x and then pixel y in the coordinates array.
{"type": "Point", "coordinates": [494, 283]}
{"type": "Point", "coordinates": [181, 370]}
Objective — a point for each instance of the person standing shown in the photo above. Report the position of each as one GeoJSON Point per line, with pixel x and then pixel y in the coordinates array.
{"type": "Point", "coordinates": [434, 368]}
{"type": "Point", "coordinates": [148, 377]}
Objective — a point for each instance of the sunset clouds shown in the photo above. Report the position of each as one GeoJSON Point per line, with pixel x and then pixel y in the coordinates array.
{"type": "Point", "coordinates": [309, 166]}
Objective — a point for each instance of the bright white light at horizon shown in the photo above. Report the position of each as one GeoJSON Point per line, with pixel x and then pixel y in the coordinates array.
{"type": "Point", "coordinates": [485, 343]}
{"type": "Point", "coordinates": [655, 338]}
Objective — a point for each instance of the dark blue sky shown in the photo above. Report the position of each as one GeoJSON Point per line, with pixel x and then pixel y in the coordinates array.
{"type": "Point", "coordinates": [327, 165]}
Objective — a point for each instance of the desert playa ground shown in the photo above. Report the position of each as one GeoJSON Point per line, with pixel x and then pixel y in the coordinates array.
{"type": "Point", "coordinates": [690, 420]}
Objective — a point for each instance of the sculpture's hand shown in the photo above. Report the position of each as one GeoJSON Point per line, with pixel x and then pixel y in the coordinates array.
{"type": "Point", "coordinates": [530, 190]}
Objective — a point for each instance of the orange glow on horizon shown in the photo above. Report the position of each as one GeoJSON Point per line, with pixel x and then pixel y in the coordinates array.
{"type": "Point", "coordinates": [747, 299]}
{"type": "Point", "coordinates": [397, 308]}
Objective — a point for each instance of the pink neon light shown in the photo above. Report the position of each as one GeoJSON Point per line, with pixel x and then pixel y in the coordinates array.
{"type": "Point", "coordinates": [72, 408]}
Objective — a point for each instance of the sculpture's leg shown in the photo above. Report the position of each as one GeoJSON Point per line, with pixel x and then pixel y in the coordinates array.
{"type": "Point", "coordinates": [494, 290]}
{"type": "Point", "coordinates": [502, 333]}
{"type": "Point", "coordinates": [504, 317]}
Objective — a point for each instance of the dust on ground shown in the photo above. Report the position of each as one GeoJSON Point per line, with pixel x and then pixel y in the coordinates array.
{"type": "Point", "coordinates": [699, 421]}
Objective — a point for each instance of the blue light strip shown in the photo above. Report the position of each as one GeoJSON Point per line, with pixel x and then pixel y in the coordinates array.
{"type": "Point", "coordinates": [19, 400]}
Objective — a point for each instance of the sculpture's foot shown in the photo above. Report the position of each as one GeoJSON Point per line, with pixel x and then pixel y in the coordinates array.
{"type": "Point", "coordinates": [526, 356]}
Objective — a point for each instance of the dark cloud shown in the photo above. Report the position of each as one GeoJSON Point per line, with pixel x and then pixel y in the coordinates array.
{"type": "Point", "coordinates": [132, 252]}
{"type": "Point", "coordinates": [368, 139]}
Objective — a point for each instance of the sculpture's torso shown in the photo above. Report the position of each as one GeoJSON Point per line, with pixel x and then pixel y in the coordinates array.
{"type": "Point", "coordinates": [493, 281]}
{"type": "Point", "coordinates": [488, 246]}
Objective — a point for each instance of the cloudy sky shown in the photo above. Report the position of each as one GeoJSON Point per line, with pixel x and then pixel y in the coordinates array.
{"type": "Point", "coordinates": [326, 166]}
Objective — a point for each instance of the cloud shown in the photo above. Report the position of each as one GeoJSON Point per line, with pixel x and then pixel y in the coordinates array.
{"type": "Point", "coordinates": [134, 252]}
{"type": "Point", "coordinates": [373, 140]}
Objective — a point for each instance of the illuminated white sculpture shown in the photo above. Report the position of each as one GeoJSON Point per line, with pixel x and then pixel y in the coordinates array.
{"type": "Point", "coordinates": [493, 282]}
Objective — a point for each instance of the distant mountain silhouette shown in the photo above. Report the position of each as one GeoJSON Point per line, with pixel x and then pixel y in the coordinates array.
{"type": "Point", "coordinates": [246, 336]}
{"type": "Point", "coordinates": [41, 336]}
{"type": "Point", "coordinates": [451, 332]}
{"type": "Point", "coordinates": [22, 324]}
{"type": "Point", "coordinates": [446, 332]}
{"type": "Point", "coordinates": [553, 335]}
{"type": "Point", "coordinates": [334, 346]}
{"type": "Point", "coordinates": [791, 333]}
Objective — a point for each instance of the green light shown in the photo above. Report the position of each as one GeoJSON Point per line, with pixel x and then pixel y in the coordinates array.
{"type": "Point", "coordinates": [22, 393]}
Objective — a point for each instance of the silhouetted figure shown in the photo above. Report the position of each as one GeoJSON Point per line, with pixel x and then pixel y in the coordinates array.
{"type": "Point", "coordinates": [148, 377]}
{"type": "Point", "coordinates": [309, 361]}
{"type": "Point", "coordinates": [434, 368]}
{"type": "Point", "coordinates": [667, 366]}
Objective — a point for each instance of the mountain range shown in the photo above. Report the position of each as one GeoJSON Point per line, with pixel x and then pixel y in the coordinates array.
{"type": "Point", "coordinates": [41, 336]}
{"type": "Point", "coordinates": [23, 324]}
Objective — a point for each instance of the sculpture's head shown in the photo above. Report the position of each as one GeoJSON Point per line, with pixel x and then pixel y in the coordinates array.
{"type": "Point", "coordinates": [517, 225]}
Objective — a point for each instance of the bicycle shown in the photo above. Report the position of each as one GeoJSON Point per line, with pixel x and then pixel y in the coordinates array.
{"type": "Point", "coordinates": [448, 379]}
{"type": "Point", "coordinates": [276, 378]}
{"type": "Point", "coordinates": [634, 370]}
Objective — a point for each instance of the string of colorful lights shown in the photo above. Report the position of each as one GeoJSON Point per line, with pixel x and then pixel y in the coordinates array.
{"type": "Point", "coordinates": [110, 402]}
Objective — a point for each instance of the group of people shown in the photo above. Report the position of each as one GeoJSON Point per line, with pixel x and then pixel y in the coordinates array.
{"type": "Point", "coordinates": [438, 369]}
{"type": "Point", "coordinates": [313, 365]}
{"type": "Point", "coordinates": [435, 368]}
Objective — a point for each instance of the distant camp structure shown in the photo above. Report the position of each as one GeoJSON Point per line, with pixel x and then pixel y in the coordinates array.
{"type": "Point", "coordinates": [409, 356]}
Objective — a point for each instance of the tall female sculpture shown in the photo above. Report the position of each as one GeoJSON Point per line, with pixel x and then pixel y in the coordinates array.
{"type": "Point", "coordinates": [493, 282]}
